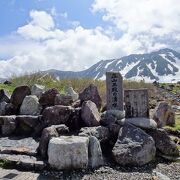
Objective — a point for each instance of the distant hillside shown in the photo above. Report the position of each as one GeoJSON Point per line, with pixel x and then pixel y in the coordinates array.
{"type": "Point", "coordinates": [162, 65]}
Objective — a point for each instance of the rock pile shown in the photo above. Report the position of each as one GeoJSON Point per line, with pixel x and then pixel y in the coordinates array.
{"type": "Point", "coordinates": [74, 133]}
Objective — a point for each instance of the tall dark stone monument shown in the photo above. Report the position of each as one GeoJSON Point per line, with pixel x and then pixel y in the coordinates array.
{"type": "Point", "coordinates": [114, 91]}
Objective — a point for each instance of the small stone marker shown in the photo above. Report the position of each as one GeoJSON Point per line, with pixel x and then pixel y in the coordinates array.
{"type": "Point", "coordinates": [114, 89]}
{"type": "Point", "coordinates": [136, 103]}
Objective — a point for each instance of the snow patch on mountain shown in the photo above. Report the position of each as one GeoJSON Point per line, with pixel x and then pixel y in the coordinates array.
{"type": "Point", "coordinates": [162, 65]}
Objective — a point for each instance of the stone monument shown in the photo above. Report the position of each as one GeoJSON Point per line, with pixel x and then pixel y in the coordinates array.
{"type": "Point", "coordinates": [114, 91]}
{"type": "Point", "coordinates": [136, 103]}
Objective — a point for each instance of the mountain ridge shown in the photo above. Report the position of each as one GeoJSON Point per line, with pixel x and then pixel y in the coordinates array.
{"type": "Point", "coordinates": [162, 65]}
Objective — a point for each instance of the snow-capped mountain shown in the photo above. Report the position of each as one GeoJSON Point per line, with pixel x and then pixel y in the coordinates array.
{"type": "Point", "coordinates": [162, 65]}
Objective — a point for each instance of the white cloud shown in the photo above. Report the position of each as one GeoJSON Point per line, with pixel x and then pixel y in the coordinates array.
{"type": "Point", "coordinates": [143, 25]}
{"type": "Point", "coordinates": [150, 23]}
{"type": "Point", "coordinates": [45, 47]}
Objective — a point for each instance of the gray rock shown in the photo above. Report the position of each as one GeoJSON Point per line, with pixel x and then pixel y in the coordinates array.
{"type": "Point", "coordinates": [19, 94]}
{"type": "Point", "coordinates": [64, 100]}
{"type": "Point", "coordinates": [144, 123]}
{"type": "Point", "coordinates": [90, 114]}
{"type": "Point", "coordinates": [95, 153]}
{"type": "Point", "coordinates": [3, 108]}
{"type": "Point", "coordinates": [4, 97]}
{"type": "Point", "coordinates": [91, 93]}
{"type": "Point", "coordinates": [100, 132]}
{"type": "Point", "coordinates": [30, 106]}
{"type": "Point", "coordinates": [57, 115]}
{"type": "Point", "coordinates": [164, 115]}
{"type": "Point", "coordinates": [47, 134]}
{"type": "Point", "coordinates": [23, 162]}
{"type": "Point", "coordinates": [68, 152]}
{"type": "Point", "coordinates": [116, 113]}
{"type": "Point", "coordinates": [37, 90]}
{"type": "Point", "coordinates": [48, 97]}
{"type": "Point", "coordinates": [9, 125]}
{"type": "Point", "coordinates": [111, 116]}
{"type": "Point", "coordinates": [133, 147]}
{"type": "Point", "coordinates": [26, 124]}
{"type": "Point", "coordinates": [18, 145]}
{"type": "Point", "coordinates": [72, 93]}
{"type": "Point", "coordinates": [10, 109]}
{"type": "Point", "coordinates": [164, 145]}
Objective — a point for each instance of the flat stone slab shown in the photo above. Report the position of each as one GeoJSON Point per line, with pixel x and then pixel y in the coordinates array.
{"type": "Point", "coordinates": [18, 145]}
{"type": "Point", "coordinates": [23, 161]}
{"type": "Point", "coordinates": [19, 175]}
{"type": "Point", "coordinates": [144, 123]}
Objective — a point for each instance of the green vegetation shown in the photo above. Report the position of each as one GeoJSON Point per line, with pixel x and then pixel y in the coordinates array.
{"type": "Point", "coordinates": [177, 126]}
{"type": "Point", "coordinates": [9, 88]}
{"type": "Point", "coordinates": [6, 164]}
{"type": "Point", "coordinates": [174, 88]}
{"type": "Point", "coordinates": [77, 84]}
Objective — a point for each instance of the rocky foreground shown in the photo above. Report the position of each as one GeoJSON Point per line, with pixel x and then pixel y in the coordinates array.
{"type": "Point", "coordinates": [159, 170]}
{"type": "Point", "coordinates": [43, 130]}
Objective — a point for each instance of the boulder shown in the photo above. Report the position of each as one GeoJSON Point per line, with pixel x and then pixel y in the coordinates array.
{"type": "Point", "coordinates": [19, 94]}
{"type": "Point", "coordinates": [26, 124]}
{"type": "Point", "coordinates": [164, 145]}
{"type": "Point", "coordinates": [37, 90]}
{"type": "Point", "coordinates": [75, 121]}
{"type": "Point", "coordinates": [68, 152]}
{"type": "Point", "coordinates": [8, 125]}
{"type": "Point", "coordinates": [57, 115]}
{"type": "Point", "coordinates": [164, 115]}
{"type": "Point", "coordinates": [10, 109]}
{"type": "Point", "coordinates": [100, 132]}
{"type": "Point", "coordinates": [64, 100]}
{"type": "Point", "coordinates": [143, 123]}
{"type": "Point", "coordinates": [47, 134]}
{"type": "Point", "coordinates": [72, 93]}
{"type": "Point", "coordinates": [30, 106]}
{"type": "Point", "coordinates": [90, 114]}
{"type": "Point", "coordinates": [111, 116]}
{"type": "Point", "coordinates": [91, 93]}
{"type": "Point", "coordinates": [4, 97]}
{"type": "Point", "coordinates": [3, 108]}
{"type": "Point", "coordinates": [95, 153]}
{"type": "Point", "coordinates": [48, 97]}
{"type": "Point", "coordinates": [134, 147]}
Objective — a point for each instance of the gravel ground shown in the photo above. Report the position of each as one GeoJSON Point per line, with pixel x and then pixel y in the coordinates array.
{"type": "Point", "coordinates": [161, 170]}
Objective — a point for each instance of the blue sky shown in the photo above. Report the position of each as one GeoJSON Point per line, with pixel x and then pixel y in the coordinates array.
{"type": "Point", "coordinates": [15, 13]}
{"type": "Point", "coordinates": [74, 34]}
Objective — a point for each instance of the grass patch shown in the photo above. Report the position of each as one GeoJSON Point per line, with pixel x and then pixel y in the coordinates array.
{"type": "Point", "coordinates": [6, 164]}
{"type": "Point", "coordinates": [175, 88]}
{"type": "Point", "coordinates": [10, 88]}
{"type": "Point", "coordinates": [177, 125]}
